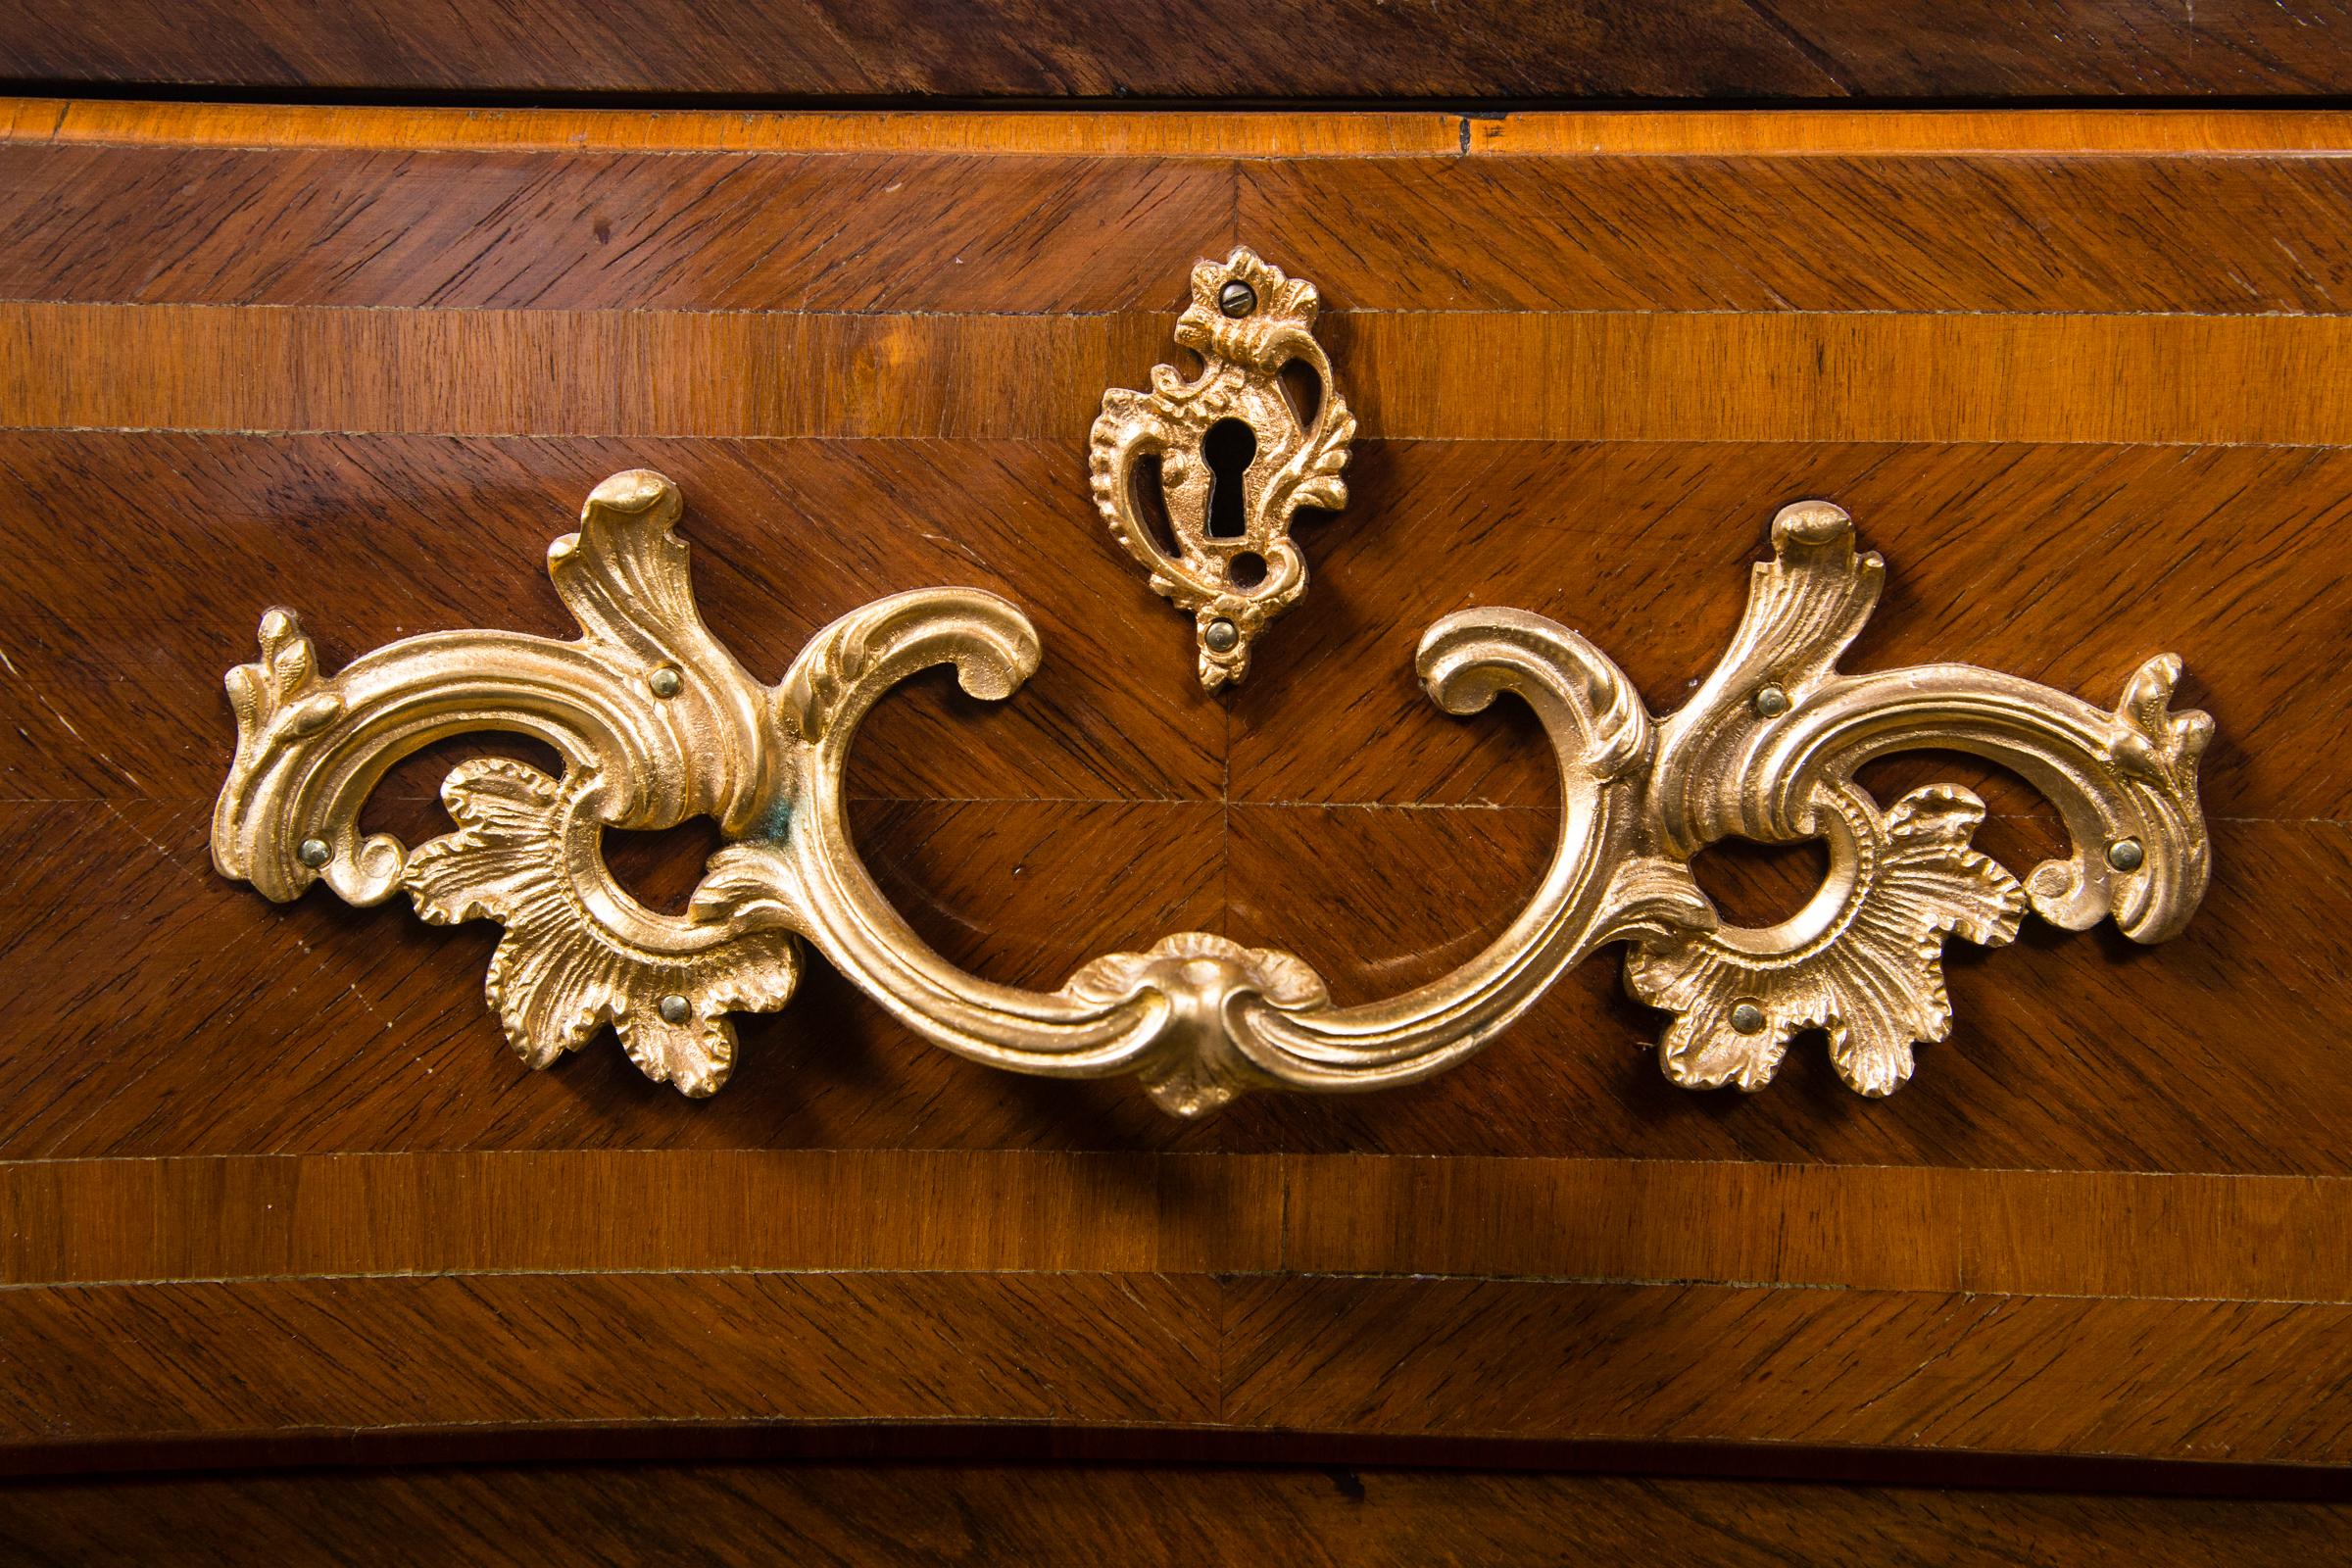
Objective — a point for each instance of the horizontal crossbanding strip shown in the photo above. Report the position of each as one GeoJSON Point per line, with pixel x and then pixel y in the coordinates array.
{"type": "Point", "coordinates": [1809, 132]}
{"type": "Point", "coordinates": [1465, 376]}
{"type": "Point", "coordinates": [862, 214]}
{"type": "Point", "coordinates": [309, 1359]}
{"type": "Point", "coordinates": [1995, 1232]}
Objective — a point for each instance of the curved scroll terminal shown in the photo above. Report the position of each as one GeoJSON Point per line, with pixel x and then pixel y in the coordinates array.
{"type": "Point", "coordinates": [1768, 749]}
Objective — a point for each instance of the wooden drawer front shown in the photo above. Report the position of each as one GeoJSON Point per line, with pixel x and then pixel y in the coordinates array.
{"type": "Point", "coordinates": [270, 1173]}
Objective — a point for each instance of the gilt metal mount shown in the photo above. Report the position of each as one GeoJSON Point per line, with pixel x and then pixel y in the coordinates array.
{"type": "Point", "coordinates": [655, 721]}
{"type": "Point", "coordinates": [1230, 560]}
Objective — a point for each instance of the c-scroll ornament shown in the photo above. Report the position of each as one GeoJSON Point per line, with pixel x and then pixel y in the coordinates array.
{"type": "Point", "coordinates": [655, 721]}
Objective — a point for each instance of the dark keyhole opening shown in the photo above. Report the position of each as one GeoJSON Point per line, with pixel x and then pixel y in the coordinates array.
{"type": "Point", "coordinates": [1228, 448]}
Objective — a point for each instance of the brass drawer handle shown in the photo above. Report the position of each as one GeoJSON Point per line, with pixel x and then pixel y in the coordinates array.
{"type": "Point", "coordinates": [655, 722]}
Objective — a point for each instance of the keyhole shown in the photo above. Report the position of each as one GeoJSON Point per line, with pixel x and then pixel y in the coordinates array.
{"type": "Point", "coordinates": [1228, 448]}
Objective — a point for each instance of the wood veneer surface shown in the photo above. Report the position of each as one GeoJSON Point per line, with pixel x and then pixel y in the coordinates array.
{"type": "Point", "coordinates": [1279, 49]}
{"type": "Point", "coordinates": [269, 1175]}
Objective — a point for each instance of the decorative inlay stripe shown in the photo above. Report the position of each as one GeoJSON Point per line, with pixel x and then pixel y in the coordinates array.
{"type": "Point", "coordinates": [1791, 376]}
{"type": "Point", "coordinates": [1890, 1228]}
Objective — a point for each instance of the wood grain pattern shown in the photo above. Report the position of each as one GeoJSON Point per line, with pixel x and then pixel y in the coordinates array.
{"type": "Point", "coordinates": [561, 132]}
{"type": "Point", "coordinates": [556, 372]}
{"type": "Point", "coordinates": [2067, 564]}
{"type": "Point", "coordinates": [1835, 230]}
{"type": "Point", "coordinates": [1811, 376]}
{"type": "Point", "coordinates": [321, 1355]}
{"type": "Point", "coordinates": [380, 1018]}
{"type": "Point", "coordinates": [349, 1030]}
{"type": "Point", "coordinates": [766, 227]}
{"type": "Point", "coordinates": [1812, 131]}
{"type": "Point", "coordinates": [1887, 1227]}
{"type": "Point", "coordinates": [2066, 1052]}
{"type": "Point", "coordinates": [927, 1514]}
{"type": "Point", "coordinates": [2209, 1380]}
{"type": "Point", "coordinates": [1628, 1221]}
{"type": "Point", "coordinates": [1855, 377]}
{"type": "Point", "coordinates": [1602, 49]}
{"type": "Point", "coordinates": [531, 229]}
{"type": "Point", "coordinates": [269, 1178]}
{"type": "Point", "coordinates": [1911, 1371]}
{"type": "Point", "coordinates": [846, 1210]}
{"type": "Point", "coordinates": [374, 541]}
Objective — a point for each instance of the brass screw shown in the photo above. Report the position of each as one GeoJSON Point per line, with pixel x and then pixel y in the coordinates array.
{"type": "Point", "coordinates": [1771, 702]}
{"type": "Point", "coordinates": [313, 853]}
{"type": "Point", "coordinates": [675, 1008]}
{"type": "Point", "coordinates": [665, 681]}
{"type": "Point", "coordinates": [1747, 1017]}
{"type": "Point", "coordinates": [1237, 298]}
{"type": "Point", "coordinates": [2126, 855]}
{"type": "Point", "coordinates": [1221, 636]}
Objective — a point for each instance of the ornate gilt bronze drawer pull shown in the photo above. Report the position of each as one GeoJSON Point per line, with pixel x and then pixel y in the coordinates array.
{"type": "Point", "coordinates": [655, 722]}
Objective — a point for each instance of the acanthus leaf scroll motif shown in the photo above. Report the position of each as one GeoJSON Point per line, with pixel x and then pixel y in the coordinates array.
{"type": "Point", "coordinates": [1768, 749]}
{"type": "Point", "coordinates": [656, 722]}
